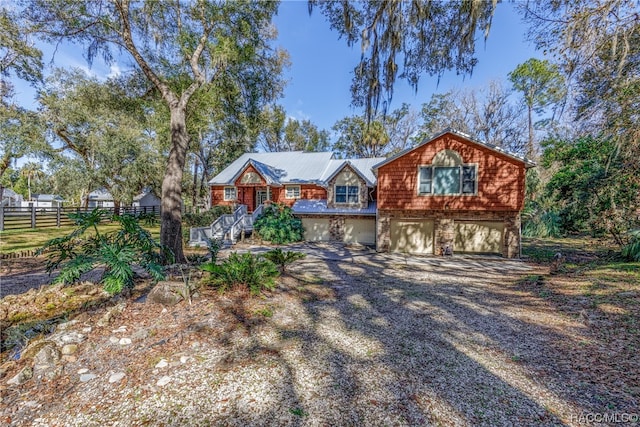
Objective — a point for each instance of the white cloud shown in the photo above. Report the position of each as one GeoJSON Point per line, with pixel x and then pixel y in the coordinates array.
{"type": "Point", "coordinates": [114, 71]}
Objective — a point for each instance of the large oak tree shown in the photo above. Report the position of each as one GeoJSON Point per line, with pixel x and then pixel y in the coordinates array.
{"type": "Point", "coordinates": [198, 41]}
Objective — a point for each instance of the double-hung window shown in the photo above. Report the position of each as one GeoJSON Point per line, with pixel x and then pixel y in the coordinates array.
{"type": "Point", "coordinates": [449, 180]}
{"type": "Point", "coordinates": [347, 193]}
{"type": "Point", "coordinates": [292, 192]}
{"type": "Point", "coordinates": [229, 193]}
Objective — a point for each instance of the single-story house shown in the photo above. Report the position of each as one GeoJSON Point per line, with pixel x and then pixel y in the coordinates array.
{"type": "Point", "coordinates": [44, 201]}
{"type": "Point", "coordinates": [146, 199]}
{"type": "Point", "coordinates": [10, 198]}
{"type": "Point", "coordinates": [448, 193]}
{"type": "Point", "coordinates": [100, 198]}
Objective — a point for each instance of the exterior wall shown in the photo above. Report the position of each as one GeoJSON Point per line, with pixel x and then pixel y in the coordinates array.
{"type": "Point", "coordinates": [147, 200]}
{"type": "Point", "coordinates": [500, 179]}
{"type": "Point", "coordinates": [246, 194]}
{"type": "Point", "coordinates": [347, 176]}
{"type": "Point", "coordinates": [307, 192]}
{"type": "Point", "coordinates": [336, 224]}
{"type": "Point", "coordinates": [444, 227]}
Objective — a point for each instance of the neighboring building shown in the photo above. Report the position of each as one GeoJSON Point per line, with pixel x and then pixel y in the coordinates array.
{"type": "Point", "coordinates": [146, 199]}
{"type": "Point", "coordinates": [11, 199]}
{"type": "Point", "coordinates": [100, 198]}
{"type": "Point", "coordinates": [44, 201]}
{"type": "Point", "coordinates": [448, 193]}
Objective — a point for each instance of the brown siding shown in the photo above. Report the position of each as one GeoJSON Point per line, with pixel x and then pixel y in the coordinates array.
{"type": "Point", "coordinates": [217, 196]}
{"type": "Point", "coordinates": [500, 179]}
{"type": "Point", "coordinates": [307, 192]}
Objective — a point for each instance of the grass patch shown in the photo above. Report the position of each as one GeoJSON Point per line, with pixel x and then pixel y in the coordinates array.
{"type": "Point", "coordinates": [31, 239]}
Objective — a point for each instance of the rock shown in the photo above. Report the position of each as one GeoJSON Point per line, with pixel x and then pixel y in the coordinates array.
{"type": "Point", "coordinates": [82, 371]}
{"type": "Point", "coordinates": [165, 293]}
{"type": "Point", "coordinates": [184, 359]}
{"type": "Point", "coordinates": [163, 381]}
{"type": "Point", "coordinates": [21, 377]}
{"type": "Point", "coordinates": [48, 356]}
{"type": "Point", "coordinates": [120, 330]}
{"type": "Point", "coordinates": [69, 349]}
{"type": "Point", "coordinates": [87, 377]}
{"type": "Point", "coordinates": [33, 348]}
{"type": "Point", "coordinates": [72, 337]}
{"type": "Point", "coordinates": [111, 314]}
{"type": "Point", "coordinates": [70, 359]}
{"type": "Point", "coordinates": [87, 330]}
{"type": "Point", "coordinates": [117, 377]}
{"type": "Point", "coordinates": [124, 341]}
{"type": "Point", "coordinates": [66, 325]}
{"type": "Point", "coordinates": [162, 364]}
{"type": "Point", "coordinates": [114, 340]}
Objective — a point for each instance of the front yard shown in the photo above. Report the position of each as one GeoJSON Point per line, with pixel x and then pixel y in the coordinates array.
{"type": "Point", "coordinates": [358, 338]}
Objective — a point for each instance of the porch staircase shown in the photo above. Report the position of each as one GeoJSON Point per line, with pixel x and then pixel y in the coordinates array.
{"type": "Point", "coordinates": [229, 227]}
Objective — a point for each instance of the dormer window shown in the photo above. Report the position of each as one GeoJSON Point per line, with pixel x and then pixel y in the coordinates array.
{"type": "Point", "coordinates": [347, 193]}
{"type": "Point", "coordinates": [447, 175]}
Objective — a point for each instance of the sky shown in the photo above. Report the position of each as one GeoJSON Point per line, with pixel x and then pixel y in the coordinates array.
{"type": "Point", "coordinates": [321, 68]}
{"type": "Point", "coordinates": [322, 64]}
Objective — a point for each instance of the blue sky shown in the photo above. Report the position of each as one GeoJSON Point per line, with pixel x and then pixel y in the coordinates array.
{"type": "Point", "coordinates": [321, 64]}
{"type": "Point", "coordinates": [320, 74]}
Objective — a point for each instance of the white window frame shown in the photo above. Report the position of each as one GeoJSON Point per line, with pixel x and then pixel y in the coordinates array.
{"type": "Point", "coordinates": [461, 193]}
{"type": "Point", "coordinates": [346, 202]}
{"type": "Point", "coordinates": [295, 192]}
{"type": "Point", "coordinates": [230, 199]}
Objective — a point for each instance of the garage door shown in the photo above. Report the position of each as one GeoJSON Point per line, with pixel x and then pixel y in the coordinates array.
{"type": "Point", "coordinates": [316, 229]}
{"type": "Point", "coordinates": [412, 236]}
{"type": "Point", "coordinates": [478, 237]}
{"type": "Point", "coordinates": [360, 231]}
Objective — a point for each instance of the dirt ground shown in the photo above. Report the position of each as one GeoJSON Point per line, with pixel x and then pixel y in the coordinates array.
{"type": "Point", "coordinates": [349, 337]}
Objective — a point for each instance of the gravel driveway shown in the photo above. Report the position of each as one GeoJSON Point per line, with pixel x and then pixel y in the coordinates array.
{"type": "Point", "coordinates": [358, 339]}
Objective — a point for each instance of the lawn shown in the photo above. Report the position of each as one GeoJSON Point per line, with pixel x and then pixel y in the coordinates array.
{"type": "Point", "coordinates": [32, 239]}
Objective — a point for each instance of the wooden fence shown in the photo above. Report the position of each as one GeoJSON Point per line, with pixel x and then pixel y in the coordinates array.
{"type": "Point", "coordinates": [13, 218]}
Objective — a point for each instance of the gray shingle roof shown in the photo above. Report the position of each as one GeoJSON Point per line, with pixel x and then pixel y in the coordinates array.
{"type": "Point", "coordinates": [319, 207]}
{"type": "Point", "coordinates": [291, 167]}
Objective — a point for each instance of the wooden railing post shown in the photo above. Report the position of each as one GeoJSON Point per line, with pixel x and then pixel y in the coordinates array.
{"type": "Point", "coordinates": [58, 216]}
{"type": "Point", "coordinates": [1, 217]}
{"type": "Point", "coordinates": [33, 216]}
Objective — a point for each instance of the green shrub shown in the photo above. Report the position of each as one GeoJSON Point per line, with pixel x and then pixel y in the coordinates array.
{"type": "Point", "coordinates": [252, 271]}
{"type": "Point", "coordinates": [117, 251]}
{"type": "Point", "coordinates": [278, 225]}
{"type": "Point", "coordinates": [282, 258]}
{"type": "Point", "coordinates": [541, 223]}
{"type": "Point", "coordinates": [214, 246]}
{"type": "Point", "coordinates": [631, 251]}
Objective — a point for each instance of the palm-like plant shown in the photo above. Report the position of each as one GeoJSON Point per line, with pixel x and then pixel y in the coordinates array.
{"type": "Point", "coordinates": [31, 171]}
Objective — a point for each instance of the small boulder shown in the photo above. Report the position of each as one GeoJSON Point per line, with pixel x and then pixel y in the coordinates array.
{"type": "Point", "coordinates": [117, 377]}
{"type": "Point", "coordinates": [21, 377]}
{"type": "Point", "coordinates": [166, 293]}
{"type": "Point", "coordinates": [69, 349]}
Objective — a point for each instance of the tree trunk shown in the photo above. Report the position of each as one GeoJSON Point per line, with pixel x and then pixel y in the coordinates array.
{"type": "Point", "coordinates": [171, 205]}
{"type": "Point", "coordinates": [530, 143]}
{"type": "Point", "coordinates": [194, 195]}
{"type": "Point", "coordinates": [116, 207]}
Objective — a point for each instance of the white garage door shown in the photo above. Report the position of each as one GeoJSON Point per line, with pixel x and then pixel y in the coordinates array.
{"type": "Point", "coordinates": [412, 236]}
{"type": "Point", "coordinates": [360, 231]}
{"type": "Point", "coordinates": [478, 237]}
{"type": "Point", "coordinates": [316, 229]}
